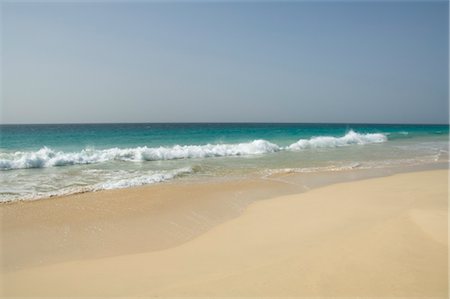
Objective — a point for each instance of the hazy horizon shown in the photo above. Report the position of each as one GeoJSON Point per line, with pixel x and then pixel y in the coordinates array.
{"type": "Point", "coordinates": [238, 62]}
{"type": "Point", "coordinates": [217, 122]}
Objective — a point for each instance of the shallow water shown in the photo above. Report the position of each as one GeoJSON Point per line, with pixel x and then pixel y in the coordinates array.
{"type": "Point", "coordinates": [38, 161]}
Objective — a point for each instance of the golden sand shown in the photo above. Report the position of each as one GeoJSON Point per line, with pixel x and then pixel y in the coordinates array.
{"type": "Point", "coordinates": [379, 237]}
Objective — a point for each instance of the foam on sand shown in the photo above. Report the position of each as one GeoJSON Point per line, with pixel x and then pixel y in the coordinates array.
{"type": "Point", "coordinates": [150, 178]}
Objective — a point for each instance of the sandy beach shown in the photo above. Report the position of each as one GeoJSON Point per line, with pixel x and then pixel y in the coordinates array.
{"type": "Point", "coordinates": [377, 237]}
{"type": "Point", "coordinates": [224, 149]}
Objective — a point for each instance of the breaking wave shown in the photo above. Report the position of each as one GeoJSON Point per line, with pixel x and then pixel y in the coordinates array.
{"type": "Point", "coordinates": [47, 157]}
{"type": "Point", "coordinates": [348, 139]}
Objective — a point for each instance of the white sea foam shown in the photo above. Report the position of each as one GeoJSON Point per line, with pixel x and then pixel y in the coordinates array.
{"type": "Point", "coordinates": [114, 180]}
{"type": "Point", "coordinates": [350, 138]}
{"type": "Point", "coordinates": [150, 178]}
{"type": "Point", "coordinates": [329, 168]}
{"type": "Point", "coordinates": [47, 157]}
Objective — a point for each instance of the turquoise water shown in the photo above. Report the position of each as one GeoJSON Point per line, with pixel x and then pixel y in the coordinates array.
{"type": "Point", "coordinates": [42, 160]}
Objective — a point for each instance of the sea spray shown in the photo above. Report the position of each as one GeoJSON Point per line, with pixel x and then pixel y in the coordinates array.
{"type": "Point", "coordinates": [328, 141]}
{"type": "Point", "coordinates": [38, 161]}
{"type": "Point", "coordinates": [47, 157]}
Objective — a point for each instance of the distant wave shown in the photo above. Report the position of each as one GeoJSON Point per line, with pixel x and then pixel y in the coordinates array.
{"type": "Point", "coordinates": [47, 157]}
{"type": "Point", "coordinates": [328, 141]}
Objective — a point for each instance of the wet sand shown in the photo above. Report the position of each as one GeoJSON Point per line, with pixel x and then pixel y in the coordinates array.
{"type": "Point", "coordinates": [378, 237]}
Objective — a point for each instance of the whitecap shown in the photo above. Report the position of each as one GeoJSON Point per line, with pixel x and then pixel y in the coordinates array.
{"type": "Point", "coordinates": [350, 138]}
{"type": "Point", "coordinates": [46, 157]}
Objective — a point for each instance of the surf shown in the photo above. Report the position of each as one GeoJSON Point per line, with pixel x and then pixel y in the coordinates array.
{"type": "Point", "coordinates": [47, 157]}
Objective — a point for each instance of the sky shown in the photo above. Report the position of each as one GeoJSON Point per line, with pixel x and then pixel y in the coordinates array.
{"type": "Point", "coordinates": [345, 62]}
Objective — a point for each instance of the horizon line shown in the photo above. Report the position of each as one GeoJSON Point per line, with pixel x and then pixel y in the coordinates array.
{"type": "Point", "coordinates": [218, 122]}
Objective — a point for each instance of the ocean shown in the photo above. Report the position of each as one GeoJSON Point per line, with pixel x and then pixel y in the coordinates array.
{"type": "Point", "coordinates": [39, 161]}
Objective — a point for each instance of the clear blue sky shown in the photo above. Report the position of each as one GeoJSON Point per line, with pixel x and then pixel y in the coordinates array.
{"type": "Point", "coordinates": [381, 62]}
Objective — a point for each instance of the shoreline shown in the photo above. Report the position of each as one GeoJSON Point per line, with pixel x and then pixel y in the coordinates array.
{"type": "Point", "coordinates": [84, 225]}
{"type": "Point", "coordinates": [362, 173]}
{"type": "Point", "coordinates": [398, 231]}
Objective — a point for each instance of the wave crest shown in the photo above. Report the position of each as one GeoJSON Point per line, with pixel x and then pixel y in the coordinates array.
{"type": "Point", "coordinates": [46, 157]}
{"type": "Point", "coordinates": [329, 142]}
